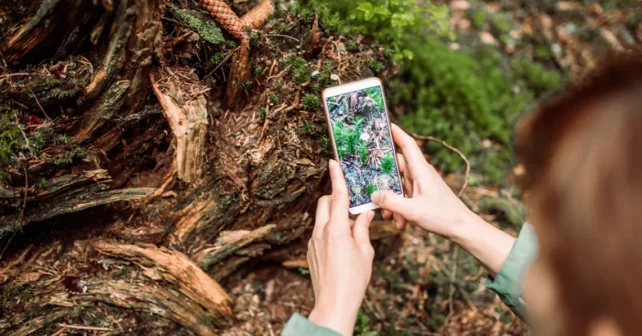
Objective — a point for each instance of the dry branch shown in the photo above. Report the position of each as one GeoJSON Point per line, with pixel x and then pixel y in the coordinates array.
{"type": "Point", "coordinates": [230, 242]}
{"type": "Point", "coordinates": [187, 117]}
{"type": "Point", "coordinates": [176, 268]}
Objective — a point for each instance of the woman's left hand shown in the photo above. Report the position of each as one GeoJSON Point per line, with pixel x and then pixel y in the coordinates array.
{"type": "Point", "coordinates": [340, 256]}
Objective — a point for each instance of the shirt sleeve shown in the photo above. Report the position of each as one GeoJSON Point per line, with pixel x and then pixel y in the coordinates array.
{"type": "Point", "coordinates": [508, 282]}
{"type": "Point", "coordinates": [301, 326]}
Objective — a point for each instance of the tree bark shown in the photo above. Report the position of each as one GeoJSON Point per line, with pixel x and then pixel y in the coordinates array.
{"type": "Point", "coordinates": [192, 191]}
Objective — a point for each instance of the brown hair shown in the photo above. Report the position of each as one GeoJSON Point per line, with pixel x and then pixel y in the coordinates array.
{"type": "Point", "coordinates": [582, 155]}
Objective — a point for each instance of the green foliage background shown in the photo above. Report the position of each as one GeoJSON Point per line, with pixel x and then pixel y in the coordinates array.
{"type": "Point", "coordinates": [469, 98]}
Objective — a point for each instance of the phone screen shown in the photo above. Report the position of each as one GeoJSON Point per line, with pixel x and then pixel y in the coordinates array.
{"type": "Point", "coordinates": [363, 141]}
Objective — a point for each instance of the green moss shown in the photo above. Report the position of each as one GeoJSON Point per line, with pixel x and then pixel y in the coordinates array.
{"type": "Point", "coordinates": [273, 97]}
{"type": "Point", "coordinates": [501, 22]}
{"type": "Point", "coordinates": [308, 127]}
{"type": "Point", "coordinates": [298, 69]}
{"type": "Point", "coordinates": [217, 57]}
{"type": "Point", "coordinates": [261, 112]}
{"type": "Point", "coordinates": [9, 138]}
{"type": "Point", "coordinates": [122, 273]}
{"type": "Point", "coordinates": [258, 70]}
{"type": "Point", "coordinates": [205, 320]}
{"type": "Point", "coordinates": [375, 65]}
{"type": "Point", "coordinates": [202, 25]}
{"type": "Point", "coordinates": [479, 17]}
{"type": "Point", "coordinates": [370, 189]}
{"type": "Point", "coordinates": [311, 102]}
{"type": "Point", "coordinates": [466, 98]}
{"type": "Point", "coordinates": [388, 163]}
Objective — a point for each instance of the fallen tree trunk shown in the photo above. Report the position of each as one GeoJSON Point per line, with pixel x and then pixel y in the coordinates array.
{"type": "Point", "coordinates": [125, 115]}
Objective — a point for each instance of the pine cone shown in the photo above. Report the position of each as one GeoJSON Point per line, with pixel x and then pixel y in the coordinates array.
{"type": "Point", "coordinates": [225, 16]}
{"type": "Point", "coordinates": [257, 16]}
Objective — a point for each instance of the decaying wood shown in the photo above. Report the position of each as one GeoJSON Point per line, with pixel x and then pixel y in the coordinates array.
{"type": "Point", "coordinates": [184, 107]}
{"type": "Point", "coordinates": [39, 322]}
{"type": "Point", "coordinates": [69, 193]}
{"type": "Point", "coordinates": [176, 268]}
{"type": "Point", "coordinates": [230, 242]}
{"type": "Point", "coordinates": [148, 298]}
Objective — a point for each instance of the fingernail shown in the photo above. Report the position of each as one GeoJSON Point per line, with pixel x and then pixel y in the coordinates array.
{"type": "Point", "coordinates": [375, 197]}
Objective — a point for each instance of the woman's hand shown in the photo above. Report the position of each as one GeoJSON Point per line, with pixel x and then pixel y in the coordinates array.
{"type": "Point", "coordinates": [340, 257]}
{"type": "Point", "coordinates": [433, 206]}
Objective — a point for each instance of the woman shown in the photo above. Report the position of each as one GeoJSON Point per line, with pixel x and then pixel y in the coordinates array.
{"type": "Point", "coordinates": [582, 155]}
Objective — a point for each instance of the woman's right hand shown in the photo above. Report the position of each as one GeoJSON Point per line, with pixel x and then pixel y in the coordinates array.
{"type": "Point", "coordinates": [429, 202]}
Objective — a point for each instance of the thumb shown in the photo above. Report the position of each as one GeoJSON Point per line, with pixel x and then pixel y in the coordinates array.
{"type": "Point", "coordinates": [389, 200]}
{"type": "Point", "coordinates": [361, 229]}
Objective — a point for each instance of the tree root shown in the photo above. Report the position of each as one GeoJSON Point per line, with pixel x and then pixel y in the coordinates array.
{"type": "Point", "coordinates": [176, 268]}
{"type": "Point", "coordinates": [187, 117]}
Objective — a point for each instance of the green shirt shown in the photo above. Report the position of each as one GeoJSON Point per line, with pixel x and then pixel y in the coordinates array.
{"type": "Point", "coordinates": [507, 284]}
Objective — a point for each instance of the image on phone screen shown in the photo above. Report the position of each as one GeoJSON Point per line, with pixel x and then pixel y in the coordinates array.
{"type": "Point", "coordinates": [361, 132]}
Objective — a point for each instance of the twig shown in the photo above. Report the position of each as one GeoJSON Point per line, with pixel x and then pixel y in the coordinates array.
{"type": "Point", "coordinates": [229, 54]}
{"type": "Point", "coordinates": [24, 134]}
{"type": "Point", "coordinates": [286, 36]}
{"type": "Point", "coordinates": [38, 102]}
{"type": "Point", "coordinates": [83, 327]}
{"type": "Point", "coordinates": [17, 74]}
{"type": "Point", "coordinates": [443, 143]}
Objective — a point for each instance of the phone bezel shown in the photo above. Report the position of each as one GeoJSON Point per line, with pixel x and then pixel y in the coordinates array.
{"type": "Point", "coordinates": [351, 87]}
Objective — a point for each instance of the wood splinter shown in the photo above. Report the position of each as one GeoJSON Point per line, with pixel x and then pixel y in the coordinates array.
{"type": "Point", "coordinates": [185, 108]}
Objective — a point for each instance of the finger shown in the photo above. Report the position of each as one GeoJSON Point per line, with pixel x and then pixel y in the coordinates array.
{"type": "Point", "coordinates": [386, 214]}
{"type": "Point", "coordinates": [323, 213]}
{"type": "Point", "coordinates": [407, 180]}
{"type": "Point", "coordinates": [401, 162]}
{"type": "Point", "coordinates": [413, 156]}
{"type": "Point", "coordinates": [400, 221]}
{"type": "Point", "coordinates": [340, 198]}
{"type": "Point", "coordinates": [361, 230]}
{"type": "Point", "coordinates": [389, 200]}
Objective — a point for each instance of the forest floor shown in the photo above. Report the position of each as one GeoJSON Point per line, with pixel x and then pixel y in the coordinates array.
{"type": "Point", "coordinates": [421, 283]}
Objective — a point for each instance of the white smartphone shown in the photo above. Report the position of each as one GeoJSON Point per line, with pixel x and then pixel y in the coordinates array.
{"type": "Point", "coordinates": [360, 133]}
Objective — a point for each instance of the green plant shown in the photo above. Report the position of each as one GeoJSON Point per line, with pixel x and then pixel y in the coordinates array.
{"type": "Point", "coordinates": [246, 84]}
{"type": "Point", "coordinates": [78, 152]}
{"type": "Point", "coordinates": [390, 22]}
{"type": "Point", "coordinates": [362, 327]}
{"type": "Point", "coordinates": [387, 163]}
{"type": "Point", "coordinates": [308, 127]}
{"type": "Point", "coordinates": [370, 189]}
{"type": "Point", "coordinates": [124, 272]}
{"type": "Point", "coordinates": [375, 65]}
{"type": "Point", "coordinates": [9, 138]}
{"type": "Point", "coordinates": [363, 154]}
{"type": "Point", "coordinates": [262, 112]}
{"type": "Point", "coordinates": [278, 84]}
{"type": "Point", "coordinates": [479, 17]}
{"type": "Point", "coordinates": [217, 57]}
{"type": "Point", "coordinates": [64, 139]}
{"type": "Point", "coordinates": [298, 69]}
{"type": "Point", "coordinates": [258, 70]}
{"type": "Point", "coordinates": [466, 98]}
{"type": "Point", "coordinates": [311, 102]}
{"type": "Point", "coordinates": [273, 97]}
